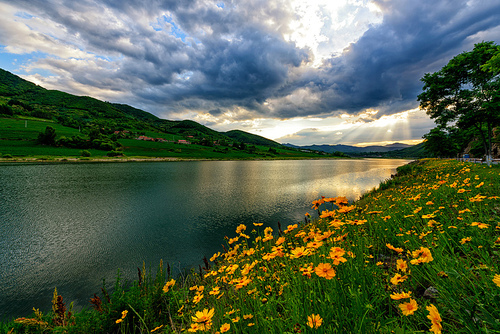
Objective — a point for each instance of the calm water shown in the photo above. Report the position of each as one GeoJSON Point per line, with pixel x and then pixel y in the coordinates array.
{"type": "Point", "coordinates": [72, 225]}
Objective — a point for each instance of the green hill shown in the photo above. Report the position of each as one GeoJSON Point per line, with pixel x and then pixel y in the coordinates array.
{"type": "Point", "coordinates": [252, 139]}
{"type": "Point", "coordinates": [415, 151]}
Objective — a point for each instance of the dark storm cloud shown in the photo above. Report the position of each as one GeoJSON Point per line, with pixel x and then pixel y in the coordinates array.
{"type": "Point", "coordinates": [236, 61]}
{"type": "Point", "coordinates": [383, 68]}
{"type": "Point", "coordinates": [204, 58]}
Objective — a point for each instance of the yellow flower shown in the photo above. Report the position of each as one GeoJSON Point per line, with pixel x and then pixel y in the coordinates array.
{"type": "Point", "coordinates": [280, 241]}
{"type": "Point", "coordinates": [298, 252]}
{"type": "Point", "coordinates": [258, 224]}
{"type": "Point", "coordinates": [435, 319]}
{"type": "Point", "coordinates": [215, 291]}
{"type": "Point", "coordinates": [399, 250]}
{"type": "Point", "coordinates": [409, 308]}
{"type": "Point", "coordinates": [336, 254]}
{"type": "Point", "coordinates": [316, 204]}
{"type": "Point", "coordinates": [325, 270]}
{"type": "Point", "coordinates": [197, 298]}
{"type": "Point", "coordinates": [307, 271]}
{"type": "Point", "coordinates": [422, 255]}
{"type": "Point", "coordinates": [480, 225]}
{"type": "Point", "coordinates": [203, 319]}
{"type": "Point", "coordinates": [168, 285]}
{"type": "Point", "coordinates": [244, 281]}
{"type": "Point", "coordinates": [464, 240]}
{"type": "Point", "coordinates": [224, 328]}
{"type": "Point", "coordinates": [346, 209]}
{"type": "Point", "coordinates": [401, 265]}
{"type": "Point", "coordinates": [314, 321]}
{"type": "Point", "coordinates": [341, 201]}
{"type": "Point", "coordinates": [195, 327]}
{"type": "Point", "coordinates": [157, 328]}
{"type": "Point", "coordinates": [496, 280]}
{"type": "Point", "coordinates": [232, 240]}
{"type": "Point", "coordinates": [314, 244]}
{"type": "Point", "coordinates": [241, 228]}
{"type": "Point", "coordinates": [247, 316]}
{"type": "Point", "coordinates": [327, 213]}
{"type": "Point", "coordinates": [215, 256]}
{"type": "Point", "coordinates": [402, 295]}
{"type": "Point", "coordinates": [398, 279]}
{"type": "Point", "coordinates": [290, 228]}
{"type": "Point", "coordinates": [124, 314]}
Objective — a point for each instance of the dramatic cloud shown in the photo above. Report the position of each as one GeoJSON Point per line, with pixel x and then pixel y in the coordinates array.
{"type": "Point", "coordinates": [245, 63]}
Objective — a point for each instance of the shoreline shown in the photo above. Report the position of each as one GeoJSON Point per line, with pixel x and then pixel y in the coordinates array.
{"type": "Point", "coordinates": [34, 160]}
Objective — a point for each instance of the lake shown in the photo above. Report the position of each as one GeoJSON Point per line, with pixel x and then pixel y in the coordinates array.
{"type": "Point", "coordinates": [72, 225]}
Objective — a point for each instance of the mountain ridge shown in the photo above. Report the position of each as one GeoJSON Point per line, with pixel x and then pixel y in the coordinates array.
{"type": "Point", "coordinates": [351, 149]}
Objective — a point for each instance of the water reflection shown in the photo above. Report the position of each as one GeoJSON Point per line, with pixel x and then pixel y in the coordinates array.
{"type": "Point", "coordinates": [71, 225]}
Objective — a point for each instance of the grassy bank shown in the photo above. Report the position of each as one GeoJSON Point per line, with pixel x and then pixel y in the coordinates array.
{"type": "Point", "coordinates": [419, 254]}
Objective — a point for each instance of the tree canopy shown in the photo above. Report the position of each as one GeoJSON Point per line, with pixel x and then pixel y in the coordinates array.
{"type": "Point", "coordinates": [465, 93]}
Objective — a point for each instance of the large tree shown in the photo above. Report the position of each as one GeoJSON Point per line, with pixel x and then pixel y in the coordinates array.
{"type": "Point", "coordinates": [466, 92]}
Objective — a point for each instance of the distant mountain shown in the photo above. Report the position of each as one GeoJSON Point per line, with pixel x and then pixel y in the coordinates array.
{"type": "Point", "coordinates": [415, 151]}
{"type": "Point", "coordinates": [249, 138]}
{"type": "Point", "coordinates": [351, 149]}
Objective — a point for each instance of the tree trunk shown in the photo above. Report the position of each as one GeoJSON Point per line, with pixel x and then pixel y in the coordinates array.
{"type": "Point", "coordinates": [483, 138]}
{"type": "Point", "coordinates": [488, 156]}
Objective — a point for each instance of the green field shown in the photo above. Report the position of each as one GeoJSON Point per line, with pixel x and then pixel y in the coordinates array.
{"type": "Point", "coordinates": [28, 128]}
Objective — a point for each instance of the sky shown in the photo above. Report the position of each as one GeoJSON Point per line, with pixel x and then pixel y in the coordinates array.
{"type": "Point", "coordinates": [295, 71]}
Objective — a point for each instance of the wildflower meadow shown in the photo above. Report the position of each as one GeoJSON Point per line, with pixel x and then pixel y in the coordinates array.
{"type": "Point", "coordinates": [418, 254]}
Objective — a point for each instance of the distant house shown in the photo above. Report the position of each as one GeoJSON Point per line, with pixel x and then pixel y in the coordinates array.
{"type": "Point", "coordinates": [146, 138]}
{"type": "Point", "coordinates": [122, 133]}
{"type": "Point", "coordinates": [183, 141]}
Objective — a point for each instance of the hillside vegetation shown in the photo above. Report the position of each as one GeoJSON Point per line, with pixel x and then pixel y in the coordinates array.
{"type": "Point", "coordinates": [418, 254]}
{"type": "Point", "coordinates": [84, 127]}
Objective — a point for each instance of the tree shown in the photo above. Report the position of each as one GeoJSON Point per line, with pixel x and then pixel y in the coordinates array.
{"type": "Point", "coordinates": [48, 137]}
{"type": "Point", "coordinates": [465, 92]}
{"type": "Point", "coordinates": [442, 142]}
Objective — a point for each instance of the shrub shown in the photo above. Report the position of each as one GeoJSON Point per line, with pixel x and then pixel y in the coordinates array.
{"type": "Point", "coordinates": [85, 153]}
{"type": "Point", "coordinates": [114, 154]}
{"type": "Point", "coordinates": [48, 137]}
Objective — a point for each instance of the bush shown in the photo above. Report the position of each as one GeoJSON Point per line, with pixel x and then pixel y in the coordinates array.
{"type": "Point", "coordinates": [85, 153]}
{"type": "Point", "coordinates": [114, 154]}
{"type": "Point", "coordinates": [48, 137]}
{"type": "Point", "coordinates": [7, 156]}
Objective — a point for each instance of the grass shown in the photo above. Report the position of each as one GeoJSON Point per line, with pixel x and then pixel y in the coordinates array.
{"type": "Point", "coordinates": [418, 254]}
{"type": "Point", "coordinates": [28, 128]}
